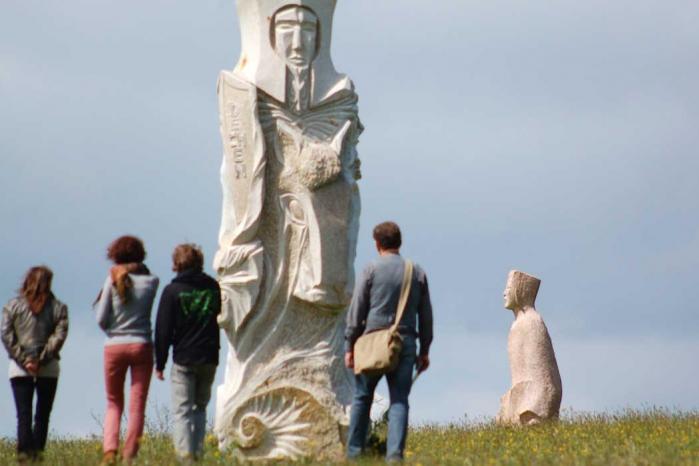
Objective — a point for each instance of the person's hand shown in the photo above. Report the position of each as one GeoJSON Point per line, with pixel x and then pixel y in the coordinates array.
{"type": "Point", "coordinates": [159, 375]}
{"type": "Point", "coordinates": [349, 360]}
{"type": "Point", "coordinates": [423, 362]}
{"type": "Point", "coordinates": [32, 366]}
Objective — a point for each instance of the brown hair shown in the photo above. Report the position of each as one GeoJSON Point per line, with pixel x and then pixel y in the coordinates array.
{"type": "Point", "coordinates": [187, 256]}
{"type": "Point", "coordinates": [126, 249]}
{"type": "Point", "coordinates": [388, 235]}
{"type": "Point", "coordinates": [36, 288]}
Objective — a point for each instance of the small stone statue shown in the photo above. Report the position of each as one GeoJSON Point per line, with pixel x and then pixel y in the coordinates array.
{"type": "Point", "coordinates": [536, 383]}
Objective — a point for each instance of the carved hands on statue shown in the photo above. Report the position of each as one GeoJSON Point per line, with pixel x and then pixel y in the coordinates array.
{"type": "Point", "coordinates": [422, 363]}
{"type": "Point", "coordinates": [349, 360]}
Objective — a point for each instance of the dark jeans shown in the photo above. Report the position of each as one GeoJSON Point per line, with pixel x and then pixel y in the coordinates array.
{"type": "Point", "coordinates": [30, 440]}
{"type": "Point", "coordinates": [399, 382]}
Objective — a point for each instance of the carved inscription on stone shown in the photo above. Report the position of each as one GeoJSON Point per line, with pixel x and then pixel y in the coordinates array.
{"type": "Point", "coordinates": [236, 141]}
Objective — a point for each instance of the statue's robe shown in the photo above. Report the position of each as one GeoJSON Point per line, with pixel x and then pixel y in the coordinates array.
{"type": "Point", "coordinates": [536, 383]}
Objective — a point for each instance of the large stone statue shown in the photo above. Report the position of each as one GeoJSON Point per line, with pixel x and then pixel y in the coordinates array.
{"type": "Point", "coordinates": [536, 384]}
{"type": "Point", "coordinates": [288, 233]}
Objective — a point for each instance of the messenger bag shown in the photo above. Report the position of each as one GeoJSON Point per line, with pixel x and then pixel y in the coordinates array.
{"type": "Point", "coordinates": [378, 352]}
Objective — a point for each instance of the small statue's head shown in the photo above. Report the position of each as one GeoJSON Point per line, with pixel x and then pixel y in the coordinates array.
{"type": "Point", "coordinates": [294, 35]}
{"type": "Point", "coordinates": [521, 290]}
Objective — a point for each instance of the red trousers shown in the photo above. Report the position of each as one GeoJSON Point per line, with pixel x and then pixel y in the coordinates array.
{"type": "Point", "coordinates": [117, 360]}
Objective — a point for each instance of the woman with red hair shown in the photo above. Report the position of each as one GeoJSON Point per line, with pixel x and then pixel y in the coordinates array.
{"type": "Point", "coordinates": [34, 328]}
{"type": "Point", "coordinates": [123, 311]}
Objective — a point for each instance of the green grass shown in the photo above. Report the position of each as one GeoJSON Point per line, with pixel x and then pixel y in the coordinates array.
{"type": "Point", "coordinates": [652, 437]}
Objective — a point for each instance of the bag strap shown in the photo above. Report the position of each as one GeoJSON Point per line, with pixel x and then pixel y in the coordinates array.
{"type": "Point", "coordinates": [404, 293]}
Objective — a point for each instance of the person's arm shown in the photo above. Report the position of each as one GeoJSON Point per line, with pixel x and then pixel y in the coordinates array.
{"type": "Point", "coordinates": [425, 323]}
{"type": "Point", "coordinates": [358, 310]}
{"type": "Point", "coordinates": [57, 337]}
{"type": "Point", "coordinates": [164, 329]}
{"type": "Point", "coordinates": [103, 305]}
{"type": "Point", "coordinates": [217, 299]}
{"type": "Point", "coordinates": [9, 338]}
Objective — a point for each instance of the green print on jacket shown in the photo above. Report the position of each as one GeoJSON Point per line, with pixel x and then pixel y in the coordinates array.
{"type": "Point", "coordinates": [197, 303]}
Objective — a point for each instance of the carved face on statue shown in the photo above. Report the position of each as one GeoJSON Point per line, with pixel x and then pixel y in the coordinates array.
{"type": "Point", "coordinates": [521, 290]}
{"type": "Point", "coordinates": [295, 34]}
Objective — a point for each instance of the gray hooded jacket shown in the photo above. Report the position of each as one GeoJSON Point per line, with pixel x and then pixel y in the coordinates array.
{"type": "Point", "coordinates": [127, 322]}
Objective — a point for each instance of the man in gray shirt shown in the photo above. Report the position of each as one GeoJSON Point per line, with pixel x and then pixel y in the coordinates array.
{"type": "Point", "coordinates": [374, 306]}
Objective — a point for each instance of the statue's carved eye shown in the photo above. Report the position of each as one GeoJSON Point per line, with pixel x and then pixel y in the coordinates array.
{"type": "Point", "coordinates": [293, 209]}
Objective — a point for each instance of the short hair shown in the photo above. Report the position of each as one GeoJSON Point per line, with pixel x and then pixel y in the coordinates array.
{"type": "Point", "coordinates": [388, 235]}
{"type": "Point", "coordinates": [187, 256]}
{"type": "Point", "coordinates": [126, 249]}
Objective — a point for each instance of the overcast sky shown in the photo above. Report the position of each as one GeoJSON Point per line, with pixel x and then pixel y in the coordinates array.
{"type": "Point", "coordinates": [559, 138]}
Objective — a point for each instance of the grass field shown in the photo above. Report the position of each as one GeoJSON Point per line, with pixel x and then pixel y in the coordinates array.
{"type": "Point", "coordinates": [652, 437]}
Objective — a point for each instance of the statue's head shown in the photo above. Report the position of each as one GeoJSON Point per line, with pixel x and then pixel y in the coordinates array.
{"type": "Point", "coordinates": [294, 35]}
{"type": "Point", "coordinates": [521, 290]}
{"type": "Point", "coordinates": [278, 34]}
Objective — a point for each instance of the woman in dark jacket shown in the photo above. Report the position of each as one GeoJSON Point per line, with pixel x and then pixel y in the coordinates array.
{"type": "Point", "coordinates": [34, 328]}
